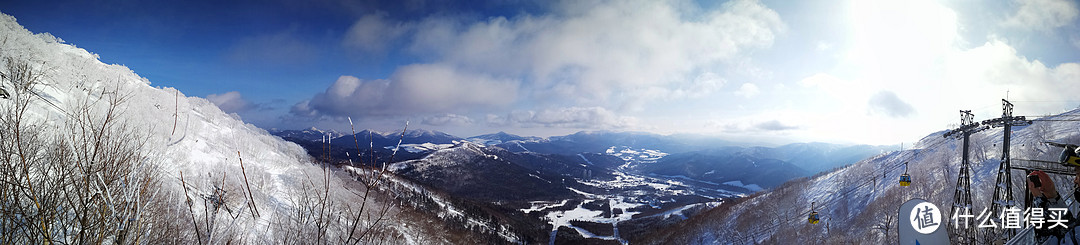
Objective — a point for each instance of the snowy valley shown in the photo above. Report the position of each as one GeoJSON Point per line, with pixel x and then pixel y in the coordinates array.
{"type": "Point", "coordinates": [615, 188]}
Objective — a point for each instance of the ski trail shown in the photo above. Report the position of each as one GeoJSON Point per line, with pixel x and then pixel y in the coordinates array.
{"type": "Point", "coordinates": [586, 159]}
{"type": "Point", "coordinates": [553, 233]}
{"type": "Point", "coordinates": [615, 222]}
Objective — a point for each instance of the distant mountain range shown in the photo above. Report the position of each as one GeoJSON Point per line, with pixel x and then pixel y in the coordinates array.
{"type": "Point", "coordinates": [721, 166]}
{"type": "Point", "coordinates": [652, 179]}
{"type": "Point", "coordinates": [679, 155]}
{"type": "Point", "coordinates": [500, 137]}
{"type": "Point", "coordinates": [382, 140]}
{"type": "Point", "coordinates": [310, 134]}
{"type": "Point", "coordinates": [600, 141]}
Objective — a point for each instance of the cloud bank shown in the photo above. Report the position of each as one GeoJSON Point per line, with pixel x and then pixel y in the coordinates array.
{"type": "Point", "coordinates": [231, 102]}
{"type": "Point", "coordinates": [568, 117]}
{"type": "Point", "coordinates": [1043, 15]}
{"type": "Point", "coordinates": [582, 58]}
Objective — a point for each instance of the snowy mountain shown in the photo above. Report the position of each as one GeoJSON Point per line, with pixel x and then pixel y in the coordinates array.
{"type": "Point", "coordinates": [635, 155]}
{"type": "Point", "coordinates": [600, 141]}
{"type": "Point", "coordinates": [358, 148]}
{"type": "Point", "coordinates": [763, 166]}
{"type": "Point", "coordinates": [366, 138]}
{"type": "Point", "coordinates": [858, 203]}
{"type": "Point", "coordinates": [499, 138]}
{"type": "Point", "coordinates": [719, 167]}
{"type": "Point", "coordinates": [817, 157]}
{"type": "Point", "coordinates": [476, 172]}
{"type": "Point", "coordinates": [310, 134]}
{"type": "Point", "coordinates": [427, 136]}
{"type": "Point", "coordinates": [158, 166]}
{"type": "Point", "coordinates": [813, 157]}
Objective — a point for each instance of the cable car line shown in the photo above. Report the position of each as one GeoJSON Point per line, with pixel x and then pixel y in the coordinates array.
{"type": "Point", "coordinates": [887, 169]}
{"type": "Point", "coordinates": [814, 217]}
{"type": "Point", "coordinates": [829, 200]}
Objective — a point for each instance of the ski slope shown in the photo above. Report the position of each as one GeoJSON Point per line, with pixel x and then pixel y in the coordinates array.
{"type": "Point", "coordinates": [183, 134]}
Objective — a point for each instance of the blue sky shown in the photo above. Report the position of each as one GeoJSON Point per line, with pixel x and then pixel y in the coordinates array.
{"type": "Point", "coordinates": [858, 71]}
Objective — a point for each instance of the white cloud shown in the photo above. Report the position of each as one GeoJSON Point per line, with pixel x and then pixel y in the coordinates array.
{"type": "Point", "coordinates": [990, 70]}
{"type": "Point", "coordinates": [580, 65]}
{"type": "Point", "coordinates": [823, 46]}
{"type": "Point", "coordinates": [819, 80]}
{"type": "Point", "coordinates": [747, 90]}
{"type": "Point", "coordinates": [833, 86]}
{"type": "Point", "coordinates": [231, 102]}
{"type": "Point", "coordinates": [892, 38]}
{"type": "Point", "coordinates": [888, 104]}
{"type": "Point", "coordinates": [752, 125]}
{"type": "Point", "coordinates": [590, 52]}
{"type": "Point", "coordinates": [348, 96]}
{"type": "Point", "coordinates": [413, 89]}
{"type": "Point", "coordinates": [581, 57]}
{"type": "Point", "coordinates": [702, 85]}
{"type": "Point", "coordinates": [1043, 15]}
{"type": "Point", "coordinates": [907, 107]}
{"type": "Point", "coordinates": [566, 117]}
{"type": "Point", "coordinates": [774, 125]}
{"type": "Point", "coordinates": [373, 33]}
{"type": "Point", "coordinates": [447, 119]}
{"type": "Point", "coordinates": [433, 87]}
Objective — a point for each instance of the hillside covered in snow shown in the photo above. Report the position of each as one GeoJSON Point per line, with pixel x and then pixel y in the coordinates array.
{"type": "Point", "coordinates": [858, 203]}
{"type": "Point", "coordinates": [94, 153]}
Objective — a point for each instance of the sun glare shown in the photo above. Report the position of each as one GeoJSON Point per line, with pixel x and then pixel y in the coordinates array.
{"type": "Point", "coordinates": [890, 35]}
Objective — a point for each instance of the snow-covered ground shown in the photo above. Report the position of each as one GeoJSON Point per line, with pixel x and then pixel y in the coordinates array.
{"type": "Point", "coordinates": [625, 195]}
{"type": "Point", "coordinates": [421, 148]}
{"type": "Point", "coordinates": [631, 155]}
{"type": "Point", "coordinates": [751, 187]}
{"type": "Point", "coordinates": [542, 205]}
{"type": "Point", "coordinates": [188, 135]}
{"type": "Point", "coordinates": [580, 213]}
{"type": "Point", "coordinates": [663, 185]}
{"type": "Point", "coordinates": [680, 212]}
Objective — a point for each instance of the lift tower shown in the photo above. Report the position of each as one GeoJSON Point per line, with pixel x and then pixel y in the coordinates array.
{"type": "Point", "coordinates": [962, 196]}
{"type": "Point", "coordinates": [1003, 196]}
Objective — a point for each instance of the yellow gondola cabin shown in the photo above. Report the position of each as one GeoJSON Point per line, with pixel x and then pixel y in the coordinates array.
{"type": "Point", "coordinates": [813, 217]}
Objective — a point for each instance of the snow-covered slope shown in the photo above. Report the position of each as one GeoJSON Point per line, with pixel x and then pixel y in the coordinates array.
{"type": "Point", "coordinates": [858, 203]}
{"type": "Point", "coordinates": [182, 134]}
